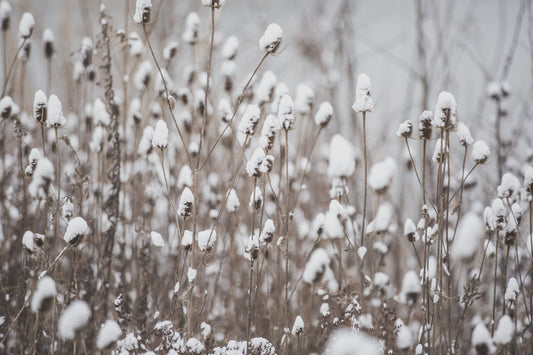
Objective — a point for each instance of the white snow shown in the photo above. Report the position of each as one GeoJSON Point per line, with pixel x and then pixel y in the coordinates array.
{"type": "Point", "coordinates": [40, 107]}
{"type": "Point", "coordinates": [192, 26]}
{"type": "Point", "coordinates": [264, 90]}
{"type": "Point", "coordinates": [268, 231]}
{"type": "Point", "coordinates": [26, 25]}
{"type": "Point", "coordinates": [404, 338]}
{"type": "Point", "coordinates": [332, 225]}
{"type": "Point", "coordinates": [304, 99]}
{"type": "Point", "coordinates": [509, 186]}
{"type": "Point", "coordinates": [186, 202]}
{"type": "Point", "coordinates": [271, 38]}
{"type": "Point", "coordinates": [142, 76]}
{"type": "Point", "coordinates": [191, 275]}
{"type": "Point", "coordinates": [46, 289]}
{"type": "Point", "coordinates": [224, 110]}
{"type": "Point", "coordinates": [505, 331]}
{"type": "Point", "coordinates": [512, 291]}
{"type": "Point", "coordinates": [170, 50]}
{"type": "Point", "coordinates": [48, 36]}
{"type": "Point", "coordinates": [136, 44]}
{"type": "Point", "coordinates": [346, 342]}
{"type": "Point", "coordinates": [480, 152]}
{"type": "Point", "coordinates": [186, 240]}
{"type": "Point", "coordinates": [317, 269]}
{"type": "Point", "coordinates": [215, 3]}
{"type": "Point", "coordinates": [254, 163]}
{"type": "Point", "coordinates": [324, 114]}
{"type": "Point", "coordinates": [230, 47]}
{"type": "Point", "coordinates": [381, 175]}
{"type": "Point", "coordinates": [383, 219]}
{"type": "Point", "coordinates": [411, 287]}
{"type": "Point", "coordinates": [445, 103]}
{"type": "Point", "coordinates": [324, 309]}
{"type": "Point", "coordinates": [409, 230]}
{"type": "Point", "coordinates": [463, 135]}
{"type": "Point", "coordinates": [55, 113]}
{"type": "Point", "coordinates": [73, 318]}
{"type": "Point", "coordinates": [361, 252]}
{"type": "Point", "coordinates": [481, 337]}
{"type": "Point", "coordinates": [249, 119]}
{"type": "Point", "coordinates": [363, 98]}
{"type": "Point", "coordinates": [207, 239]}
{"type": "Point", "coordinates": [145, 143]}
{"type": "Point", "coordinates": [43, 175]}
{"type": "Point", "coordinates": [256, 198]}
{"type": "Point", "coordinates": [381, 280]}
{"type": "Point", "coordinates": [100, 114]}
{"type": "Point", "coordinates": [76, 228]}
{"type": "Point", "coordinates": [468, 239]}
{"type": "Point", "coordinates": [185, 177]}
{"type": "Point", "coordinates": [157, 239]}
{"type": "Point", "coordinates": [160, 137]}
{"type": "Point", "coordinates": [298, 326]}
{"type": "Point", "coordinates": [142, 11]}
{"type": "Point", "coordinates": [405, 129]}
{"type": "Point", "coordinates": [5, 10]}
{"type": "Point", "coordinates": [285, 112]}
{"type": "Point", "coordinates": [108, 334]}
{"type": "Point", "coordinates": [232, 202]}
{"type": "Point", "coordinates": [268, 133]}
{"type": "Point", "coordinates": [6, 106]}
{"type": "Point", "coordinates": [341, 157]}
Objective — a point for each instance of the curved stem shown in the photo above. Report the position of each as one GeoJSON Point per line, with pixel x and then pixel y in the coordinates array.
{"type": "Point", "coordinates": [12, 66]}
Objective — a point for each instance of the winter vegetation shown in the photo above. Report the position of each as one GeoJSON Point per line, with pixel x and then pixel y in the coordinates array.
{"type": "Point", "coordinates": [266, 177]}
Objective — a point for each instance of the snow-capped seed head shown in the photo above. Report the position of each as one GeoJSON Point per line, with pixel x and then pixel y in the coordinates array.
{"type": "Point", "coordinates": [264, 91]}
{"type": "Point", "coordinates": [227, 70]}
{"type": "Point", "coordinates": [445, 111]}
{"type": "Point", "coordinates": [160, 137]}
{"type": "Point", "coordinates": [505, 331]}
{"type": "Point", "coordinates": [341, 157]}
{"type": "Point", "coordinates": [143, 75]}
{"type": "Point", "coordinates": [194, 347]}
{"type": "Point", "coordinates": [40, 111]}
{"type": "Point", "coordinates": [512, 291]}
{"type": "Point", "coordinates": [511, 232]}
{"type": "Point", "coordinates": [170, 50]}
{"type": "Point", "coordinates": [463, 135]}
{"type": "Point", "coordinates": [143, 9]}
{"type": "Point", "coordinates": [77, 228]}
{"type": "Point", "coordinates": [86, 51]}
{"type": "Point", "coordinates": [217, 4]}
{"type": "Point", "coordinates": [230, 48]}
{"type": "Point", "coordinates": [186, 240]}
{"type": "Point", "coordinates": [233, 201]}
{"type": "Point", "coordinates": [44, 295]}
{"type": "Point", "coordinates": [509, 186]}
{"type": "Point", "coordinates": [324, 114]}
{"type": "Point", "coordinates": [482, 340]}
{"type": "Point", "coordinates": [381, 175]}
{"type": "Point", "coordinates": [256, 198]}
{"type": "Point", "coordinates": [43, 175]}
{"type": "Point", "coordinates": [271, 38]}
{"type": "Point", "coordinates": [268, 133]}
{"type": "Point", "coordinates": [489, 218]}
{"type": "Point", "coordinates": [363, 97]}
{"type": "Point", "coordinates": [500, 216]}
{"type": "Point", "coordinates": [34, 157]}
{"type": "Point", "coordinates": [494, 90]}
{"type": "Point", "coordinates": [344, 341]}
{"type": "Point", "coordinates": [249, 119]}
{"type": "Point", "coordinates": [24, 54]}
{"type": "Point", "coordinates": [108, 334]}
{"type": "Point", "coordinates": [268, 231]}
{"type": "Point", "coordinates": [27, 242]}
{"type": "Point", "coordinates": [411, 288]}
{"type": "Point", "coordinates": [467, 242]}
{"type": "Point", "coordinates": [207, 239]}
{"type": "Point", "coordinates": [186, 202]}
{"type": "Point", "coordinates": [6, 107]}
{"type": "Point", "coordinates": [304, 99]}
{"type": "Point", "coordinates": [98, 138]}
{"type": "Point", "coordinates": [75, 317]}
{"type": "Point", "coordinates": [425, 127]}
{"type": "Point", "coordinates": [26, 25]}
{"type": "Point", "coordinates": [409, 230]}
{"type": "Point", "coordinates": [192, 28]}
{"type": "Point", "coordinates": [441, 151]}
{"type": "Point", "coordinates": [5, 15]}
{"type": "Point", "coordinates": [157, 239]}
{"type": "Point", "coordinates": [404, 338]}
{"type": "Point", "coordinates": [224, 110]}
{"type": "Point", "coordinates": [68, 208]}
{"type": "Point", "coordinates": [480, 152]}
{"type": "Point", "coordinates": [285, 112]}
{"type": "Point", "coordinates": [298, 326]}
{"type": "Point", "coordinates": [254, 164]}
{"type": "Point", "coordinates": [267, 164]}
{"type": "Point", "coordinates": [48, 42]}
{"type": "Point", "coordinates": [405, 129]}
{"type": "Point", "coordinates": [100, 115]}
{"type": "Point", "coordinates": [55, 118]}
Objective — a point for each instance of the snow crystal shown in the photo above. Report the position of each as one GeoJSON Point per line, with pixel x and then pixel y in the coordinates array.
{"type": "Point", "coordinates": [43, 295]}
{"type": "Point", "coordinates": [324, 114]}
{"type": "Point", "coordinates": [468, 239]}
{"type": "Point", "coordinates": [232, 202]}
{"type": "Point", "coordinates": [249, 119]}
{"type": "Point", "coordinates": [446, 105]}
{"type": "Point", "coordinates": [381, 175]}
{"type": "Point", "coordinates": [191, 275]}
{"type": "Point", "coordinates": [363, 98]}
{"type": "Point", "coordinates": [160, 137]}
{"type": "Point", "coordinates": [341, 157]}
{"type": "Point", "coordinates": [207, 239]}
{"type": "Point", "coordinates": [345, 342]}
{"type": "Point", "coordinates": [55, 117]}
{"type": "Point", "coordinates": [271, 38]}
{"type": "Point", "coordinates": [285, 112]}
{"type": "Point", "coordinates": [298, 326]}
{"type": "Point", "coordinates": [186, 202]}
{"type": "Point", "coordinates": [142, 11]}
{"type": "Point", "coordinates": [505, 331]}
{"type": "Point", "coordinates": [480, 152]}
{"type": "Point", "coordinates": [26, 25]}
{"type": "Point", "coordinates": [108, 334]}
{"type": "Point", "coordinates": [230, 48]}
{"type": "Point", "coordinates": [73, 318]}
{"type": "Point", "coordinates": [405, 129]}
{"type": "Point", "coordinates": [40, 111]}
{"type": "Point", "coordinates": [304, 99]}
{"type": "Point", "coordinates": [157, 239]}
{"type": "Point", "coordinates": [463, 135]}
{"type": "Point", "coordinates": [77, 228]}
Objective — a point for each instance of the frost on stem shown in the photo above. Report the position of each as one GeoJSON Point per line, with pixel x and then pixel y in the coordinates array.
{"type": "Point", "coordinates": [446, 111]}
{"type": "Point", "coordinates": [405, 129]}
{"type": "Point", "coordinates": [44, 295]}
{"type": "Point", "coordinates": [75, 317]}
{"type": "Point", "coordinates": [463, 135]}
{"type": "Point", "coordinates": [480, 152]}
{"type": "Point", "coordinates": [468, 239]}
{"type": "Point", "coordinates": [271, 38]}
{"type": "Point", "coordinates": [143, 8]}
{"type": "Point", "coordinates": [40, 107]}
{"type": "Point", "coordinates": [43, 175]}
{"type": "Point", "coordinates": [345, 341]}
{"type": "Point", "coordinates": [482, 340]}
{"type": "Point", "coordinates": [160, 137]}
{"type": "Point", "coordinates": [341, 158]}
{"type": "Point", "coordinates": [317, 270]}
{"type": "Point", "coordinates": [192, 28]}
{"type": "Point", "coordinates": [324, 114]}
{"type": "Point", "coordinates": [249, 119]}
{"type": "Point", "coordinates": [55, 118]}
{"type": "Point", "coordinates": [108, 334]}
{"type": "Point", "coordinates": [77, 228]}
{"type": "Point", "coordinates": [207, 239]}
{"type": "Point", "coordinates": [26, 25]}
{"type": "Point", "coordinates": [285, 113]}
{"type": "Point", "coordinates": [363, 97]}
{"type": "Point", "coordinates": [411, 288]}
{"type": "Point", "coordinates": [381, 175]}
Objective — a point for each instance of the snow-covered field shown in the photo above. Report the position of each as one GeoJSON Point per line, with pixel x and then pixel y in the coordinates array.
{"type": "Point", "coordinates": [266, 177]}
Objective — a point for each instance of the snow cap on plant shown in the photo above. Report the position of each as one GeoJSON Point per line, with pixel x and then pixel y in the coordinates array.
{"type": "Point", "coordinates": [160, 137]}
{"type": "Point", "coordinates": [44, 295]}
{"type": "Point", "coordinates": [441, 149]}
{"type": "Point", "coordinates": [26, 25]}
{"type": "Point", "coordinates": [32, 241]}
{"type": "Point", "coordinates": [480, 152]}
{"type": "Point", "coordinates": [186, 202]}
{"type": "Point", "coordinates": [143, 9]}
{"type": "Point", "coordinates": [48, 42]}
{"type": "Point", "coordinates": [504, 331]}
{"type": "Point", "coordinates": [77, 228]}
{"type": "Point", "coordinates": [271, 38]}
{"type": "Point", "coordinates": [304, 99]}
{"type": "Point", "coordinates": [207, 239]}
{"type": "Point", "coordinates": [143, 75]}
{"type": "Point", "coordinates": [86, 51]}
{"type": "Point", "coordinates": [6, 107]}
{"type": "Point", "coordinates": [405, 129]}
{"type": "Point", "coordinates": [43, 175]}
{"type": "Point", "coordinates": [482, 340]}
{"type": "Point", "coordinates": [249, 119]}
{"type": "Point", "coordinates": [40, 107]}
{"type": "Point", "coordinates": [265, 89]}
{"type": "Point", "coordinates": [5, 15]}
{"type": "Point", "coordinates": [363, 96]}
{"type": "Point", "coordinates": [468, 239]}
{"type": "Point", "coordinates": [268, 231]}
{"type": "Point", "coordinates": [344, 341]}
{"type": "Point", "coordinates": [256, 198]}
{"type": "Point", "coordinates": [55, 118]}
{"type": "Point", "coordinates": [186, 240]}
{"type": "Point", "coordinates": [192, 28]}
{"type": "Point", "coordinates": [285, 113]}
{"type": "Point", "coordinates": [425, 127]}
{"type": "Point", "coordinates": [341, 157]}
{"type": "Point", "coordinates": [224, 110]}
{"type": "Point", "coordinates": [268, 133]}
{"type": "Point", "coordinates": [489, 218]}
{"type": "Point", "coordinates": [446, 111]}
{"type": "Point", "coordinates": [75, 317]}
{"type": "Point", "coordinates": [411, 288]}
{"type": "Point", "coordinates": [298, 326]}
{"type": "Point", "coordinates": [409, 230]}
{"type": "Point", "coordinates": [509, 186]}
{"type": "Point", "coordinates": [135, 44]}
{"type": "Point", "coordinates": [324, 114]}
{"type": "Point", "coordinates": [108, 334]}
{"type": "Point", "coordinates": [381, 175]}
{"type": "Point", "coordinates": [170, 50]}
{"type": "Point", "coordinates": [100, 115]}
{"type": "Point", "coordinates": [230, 48]}
{"type": "Point", "coordinates": [217, 4]}
{"type": "Point", "coordinates": [500, 216]}
{"type": "Point", "coordinates": [227, 70]}
{"type": "Point", "coordinates": [463, 135]}
{"type": "Point", "coordinates": [233, 201]}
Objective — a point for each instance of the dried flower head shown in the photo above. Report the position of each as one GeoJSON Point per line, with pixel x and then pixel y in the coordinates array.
{"type": "Point", "coordinates": [143, 9]}
{"type": "Point", "coordinates": [40, 107]}
{"type": "Point", "coordinates": [425, 127]}
{"type": "Point", "coordinates": [271, 38]}
{"type": "Point", "coordinates": [26, 25]}
{"type": "Point", "coordinates": [363, 97]}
